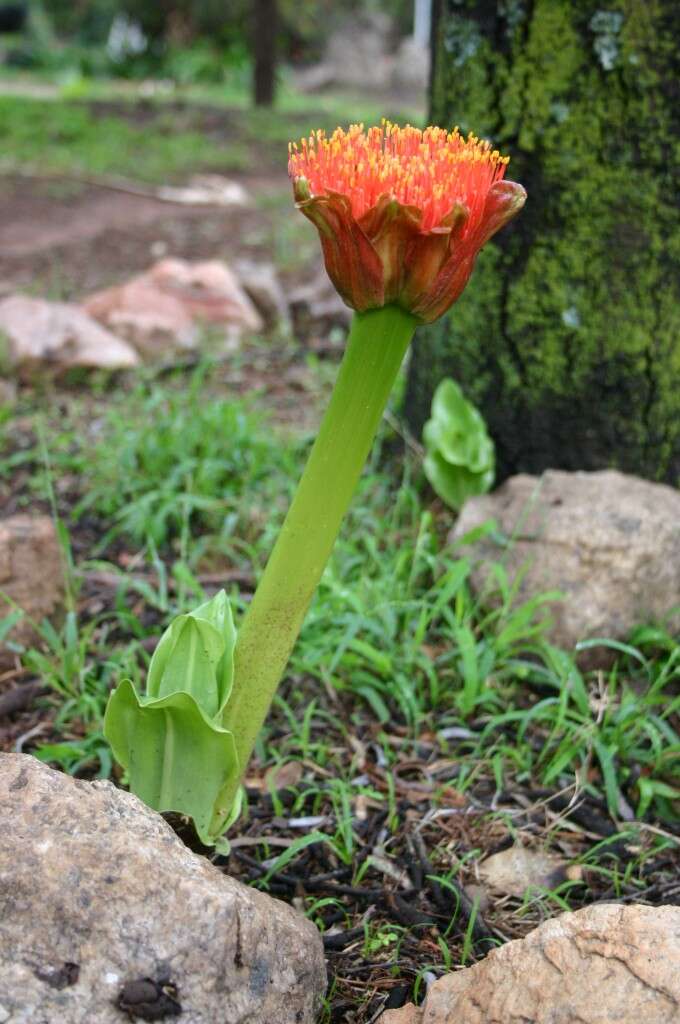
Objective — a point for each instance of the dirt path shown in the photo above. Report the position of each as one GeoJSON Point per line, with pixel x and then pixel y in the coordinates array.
{"type": "Point", "coordinates": [64, 239]}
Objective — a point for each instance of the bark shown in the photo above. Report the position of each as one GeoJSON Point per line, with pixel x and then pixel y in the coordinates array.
{"type": "Point", "coordinates": [264, 51]}
{"type": "Point", "coordinates": [568, 335]}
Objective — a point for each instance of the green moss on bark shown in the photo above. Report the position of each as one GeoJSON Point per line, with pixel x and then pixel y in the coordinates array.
{"type": "Point", "coordinates": [568, 335]}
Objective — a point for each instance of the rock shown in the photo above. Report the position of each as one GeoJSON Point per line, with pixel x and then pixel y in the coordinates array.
{"type": "Point", "coordinates": [207, 190]}
{"type": "Point", "coordinates": [358, 51]}
{"type": "Point", "coordinates": [104, 910]}
{"type": "Point", "coordinates": [314, 79]}
{"type": "Point", "coordinates": [405, 1015]}
{"type": "Point", "coordinates": [517, 869]}
{"type": "Point", "coordinates": [601, 964]}
{"type": "Point", "coordinates": [316, 306]}
{"type": "Point", "coordinates": [412, 66]}
{"type": "Point", "coordinates": [262, 284]}
{"type": "Point", "coordinates": [38, 333]}
{"type": "Point", "coordinates": [158, 312]}
{"type": "Point", "coordinates": [608, 541]}
{"type": "Point", "coordinates": [31, 574]}
{"type": "Point", "coordinates": [155, 323]}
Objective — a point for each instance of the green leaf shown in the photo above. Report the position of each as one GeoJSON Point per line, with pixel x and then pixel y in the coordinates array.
{"type": "Point", "coordinates": [177, 759]}
{"type": "Point", "coordinates": [459, 459]}
{"type": "Point", "coordinates": [196, 655]}
{"type": "Point", "coordinates": [171, 741]}
{"type": "Point", "coordinates": [292, 851]}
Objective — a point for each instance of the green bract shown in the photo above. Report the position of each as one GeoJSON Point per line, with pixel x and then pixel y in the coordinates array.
{"type": "Point", "coordinates": [171, 741]}
{"type": "Point", "coordinates": [459, 460]}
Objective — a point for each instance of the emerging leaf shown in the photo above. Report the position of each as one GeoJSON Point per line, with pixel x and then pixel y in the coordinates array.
{"type": "Point", "coordinates": [171, 741]}
{"type": "Point", "coordinates": [459, 459]}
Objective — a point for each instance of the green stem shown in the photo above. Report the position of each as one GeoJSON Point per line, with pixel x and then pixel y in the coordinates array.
{"type": "Point", "coordinates": [375, 349]}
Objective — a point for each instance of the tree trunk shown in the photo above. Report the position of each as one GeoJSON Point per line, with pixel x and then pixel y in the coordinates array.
{"type": "Point", "coordinates": [264, 51]}
{"type": "Point", "coordinates": [568, 335]}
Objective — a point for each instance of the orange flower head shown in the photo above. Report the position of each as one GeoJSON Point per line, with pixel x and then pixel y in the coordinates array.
{"type": "Point", "coordinates": [402, 213]}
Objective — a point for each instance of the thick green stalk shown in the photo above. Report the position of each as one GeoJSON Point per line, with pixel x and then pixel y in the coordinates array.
{"type": "Point", "coordinates": [375, 349]}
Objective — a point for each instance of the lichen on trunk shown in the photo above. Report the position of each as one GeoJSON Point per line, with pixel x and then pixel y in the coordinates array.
{"type": "Point", "coordinates": [568, 335]}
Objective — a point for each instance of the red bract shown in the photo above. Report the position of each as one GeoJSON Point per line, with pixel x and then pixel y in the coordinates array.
{"type": "Point", "coordinates": [402, 213]}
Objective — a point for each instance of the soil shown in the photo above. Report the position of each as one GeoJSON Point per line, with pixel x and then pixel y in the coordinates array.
{"type": "Point", "coordinates": [75, 238]}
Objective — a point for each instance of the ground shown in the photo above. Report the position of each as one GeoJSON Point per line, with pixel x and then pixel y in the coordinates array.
{"type": "Point", "coordinates": [416, 733]}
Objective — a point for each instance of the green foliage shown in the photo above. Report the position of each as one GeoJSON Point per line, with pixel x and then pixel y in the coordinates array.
{"type": "Point", "coordinates": [169, 461]}
{"type": "Point", "coordinates": [77, 138]}
{"type": "Point", "coordinates": [395, 641]}
{"type": "Point", "coordinates": [171, 741]}
{"type": "Point", "coordinates": [459, 460]}
{"type": "Point", "coordinates": [567, 336]}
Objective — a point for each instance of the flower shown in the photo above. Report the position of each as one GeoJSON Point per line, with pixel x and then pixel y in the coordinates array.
{"type": "Point", "coordinates": [401, 213]}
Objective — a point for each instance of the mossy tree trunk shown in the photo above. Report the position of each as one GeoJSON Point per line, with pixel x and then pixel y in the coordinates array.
{"type": "Point", "coordinates": [568, 336]}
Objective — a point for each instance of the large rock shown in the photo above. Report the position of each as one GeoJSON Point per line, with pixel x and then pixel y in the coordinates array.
{"type": "Point", "coordinates": [31, 573]}
{"type": "Point", "coordinates": [599, 965]}
{"type": "Point", "coordinates": [106, 916]}
{"type": "Point", "coordinates": [359, 51]}
{"type": "Point", "coordinates": [609, 542]}
{"type": "Point", "coordinates": [159, 311]}
{"type": "Point", "coordinates": [35, 333]}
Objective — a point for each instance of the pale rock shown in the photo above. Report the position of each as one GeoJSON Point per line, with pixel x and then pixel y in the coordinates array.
{"type": "Point", "coordinates": [155, 323]}
{"type": "Point", "coordinates": [602, 964]}
{"type": "Point", "coordinates": [316, 305]}
{"type": "Point", "coordinates": [609, 542]}
{"type": "Point", "coordinates": [159, 311]}
{"type": "Point", "coordinates": [314, 79]}
{"type": "Point", "coordinates": [31, 574]}
{"type": "Point", "coordinates": [97, 892]}
{"type": "Point", "coordinates": [404, 1015]}
{"type": "Point", "coordinates": [359, 51]}
{"type": "Point", "coordinates": [262, 284]}
{"type": "Point", "coordinates": [207, 190]}
{"type": "Point", "coordinates": [57, 335]}
{"type": "Point", "coordinates": [517, 869]}
{"type": "Point", "coordinates": [412, 66]}
{"type": "Point", "coordinates": [209, 291]}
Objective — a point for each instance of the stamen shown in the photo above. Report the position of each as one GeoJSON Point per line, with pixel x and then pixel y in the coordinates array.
{"type": "Point", "coordinates": [431, 169]}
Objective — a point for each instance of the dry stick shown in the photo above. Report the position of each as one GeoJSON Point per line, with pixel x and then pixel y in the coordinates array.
{"type": "Point", "coordinates": [480, 929]}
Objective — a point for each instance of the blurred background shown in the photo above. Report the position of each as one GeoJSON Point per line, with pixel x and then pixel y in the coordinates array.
{"type": "Point", "coordinates": [236, 45]}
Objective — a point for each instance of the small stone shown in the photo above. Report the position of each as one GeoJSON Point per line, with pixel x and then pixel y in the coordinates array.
{"type": "Point", "coordinates": [57, 336]}
{"type": "Point", "coordinates": [605, 963]}
{"type": "Point", "coordinates": [262, 284]}
{"type": "Point", "coordinates": [518, 869]}
{"type": "Point", "coordinates": [156, 931]}
{"type": "Point", "coordinates": [609, 542]}
{"type": "Point", "coordinates": [317, 306]}
{"type": "Point", "coordinates": [159, 311]}
{"type": "Point", "coordinates": [207, 190]}
{"type": "Point", "coordinates": [31, 574]}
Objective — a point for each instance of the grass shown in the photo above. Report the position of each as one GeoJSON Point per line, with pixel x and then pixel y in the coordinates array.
{"type": "Point", "coordinates": [75, 138]}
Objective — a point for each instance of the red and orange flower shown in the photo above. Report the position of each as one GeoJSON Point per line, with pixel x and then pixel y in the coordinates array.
{"type": "Point", "coordinates": [402, 213]}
